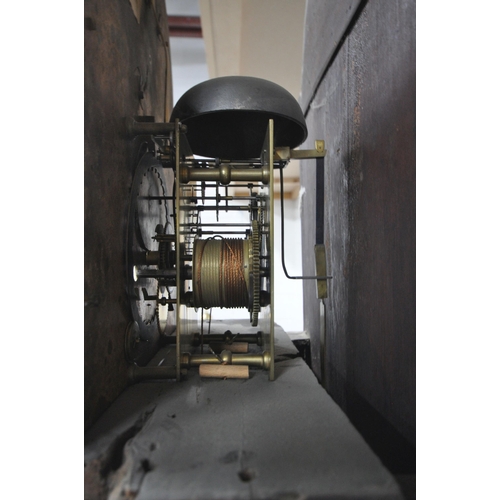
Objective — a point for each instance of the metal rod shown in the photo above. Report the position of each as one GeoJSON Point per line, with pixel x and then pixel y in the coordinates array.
{"type": "Point", "coordinates": [228, 358]}
{"type": "Point", "coordinates": [186, 273]}
{"type": "Point", "coordinates": [221, 198]}
{"type": "Point", "coordinates": [156, 273]}
{"type": "Point", "coordinates": [212, 208]}
{"type": "Point", "coordinates": [211, 232]}
{"type": "Point", "coordinates": [177, 190]}
{"type": "Point", "coordinates": [245, 185]}
{"type": "Point", "coordinates": [135, 128]}
{"type": "Point", "coordinates": [218, 224]}
{"type": "Point", "coordinates": [228, 337]}
{"type": "Point", "coordinates": [283, 240]}
{"type": "Point", "coordinates": [320, 201]}
{"type": "Point", "coordinates": [225, 174]}
{"type": "Point", "coordinates": [218, 162]}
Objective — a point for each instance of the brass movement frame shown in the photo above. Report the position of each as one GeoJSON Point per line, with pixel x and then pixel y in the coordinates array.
{"type": "Point", "coordinates": [224, 174]}
{"type": "Point", "coordinates": [190, 174]}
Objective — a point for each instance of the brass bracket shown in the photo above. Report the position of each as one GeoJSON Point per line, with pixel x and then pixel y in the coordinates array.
{"type": "Point", "coordinates": [286, 154]}
{"type": "Point", "coordinates": [321, 284]}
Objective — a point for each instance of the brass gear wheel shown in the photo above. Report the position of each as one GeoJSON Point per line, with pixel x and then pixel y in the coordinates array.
{"type": "Point", "coordinates": [254, 315]}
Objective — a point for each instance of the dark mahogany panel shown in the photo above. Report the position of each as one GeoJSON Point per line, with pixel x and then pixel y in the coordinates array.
{"type": "Point", "coordinates": [364, 108]}
{"type": "Point", "coordinates": [127, 73]}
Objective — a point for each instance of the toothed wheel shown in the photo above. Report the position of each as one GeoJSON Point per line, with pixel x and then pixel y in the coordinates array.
{"type": "Point", "coordinates": [255, 273]}
{"type": "Point", "coordinates": [147, 209]}
{"type": "Point", "coordinates": [149, 213]}
{"type": "Point", "coordinates": [163, 248]}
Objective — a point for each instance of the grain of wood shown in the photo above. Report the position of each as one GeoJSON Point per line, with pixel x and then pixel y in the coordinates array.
{"type": "Point", "coordinates": [224, 371]}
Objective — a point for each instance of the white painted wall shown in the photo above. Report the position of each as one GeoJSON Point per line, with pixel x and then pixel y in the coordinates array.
{"type": "Point", "coordinates": [189, 65]}
{"type": "Point", "coordinates": [261, 38]}
{"type": "Point", "coordinates": [189, 62]}
{"type": "Point", "coordinates": [288, 293]}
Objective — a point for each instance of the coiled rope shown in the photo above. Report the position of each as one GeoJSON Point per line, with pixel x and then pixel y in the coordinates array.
{"type": "Point", "coordinates": [220, 273]}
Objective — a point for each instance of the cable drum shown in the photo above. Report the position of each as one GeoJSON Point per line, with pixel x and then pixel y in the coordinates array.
{"type": "Point", "coordinates": [221, 273]}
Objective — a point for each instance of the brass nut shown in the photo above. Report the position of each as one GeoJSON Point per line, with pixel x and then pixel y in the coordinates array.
{"type": "Point", "coordinates": [225, 174]}
{"type": "Point", "coordinates": [226, 357]}
{"type": "Point", "coordinates": [184, 174]}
